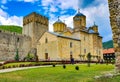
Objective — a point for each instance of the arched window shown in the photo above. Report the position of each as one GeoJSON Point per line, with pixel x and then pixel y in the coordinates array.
{"type": "Point", "coordinates": [46, 40]}
{"type": "Point", "coordinates": [84, 50]}
{"type": "Point", "coordinates": [70, 44]}
{"type": "Point", "coordinates": [18, 39]}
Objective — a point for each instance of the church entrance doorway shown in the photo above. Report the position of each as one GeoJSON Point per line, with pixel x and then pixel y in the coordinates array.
{"type": "Point", "coordinates": [46, 56]}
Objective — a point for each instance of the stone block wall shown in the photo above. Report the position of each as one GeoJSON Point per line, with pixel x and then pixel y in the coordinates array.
{"type": "Point", "coordinates": [10, 42]}
{"type": "Point", "coordinates": [114, 9]}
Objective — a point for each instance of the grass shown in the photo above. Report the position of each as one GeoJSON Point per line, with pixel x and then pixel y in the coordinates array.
{"type": "Point", "coordinates": [11, 28]}
{"type": "Point", "coordinates": [114, 79]}
{"type": "Point", "coordinates": [58, 74]}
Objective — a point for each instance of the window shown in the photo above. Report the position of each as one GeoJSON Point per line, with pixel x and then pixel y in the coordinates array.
{"type": "Point", "coordinates": [84, 50]}
{"type": "Point", "coordinates": [18, 39]}
{"type": "Point", "coordinates": [70, 44]}
{"type": "Point", "coordinates": [46, 40]}
{"type": "Point", "coordinates": [71, 53]}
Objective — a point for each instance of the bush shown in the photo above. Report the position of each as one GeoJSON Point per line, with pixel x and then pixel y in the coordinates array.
{"type": "Point", "coordinates": [3, 67]}
{"type": "Point", "coordinates": [9, 67]}
{"type": "Point", "coordinates": [14, 66]}
{"type": "Point", "coordinates": [77, 68]}
{"type": "Point", "coordinates": [1, 64]}
{"type": "Point", "coordinates": [64, 66]}
{"type": "Point", "coordinates": [21, 65]}
{"type": "Point", "coordinates": [53, 65]}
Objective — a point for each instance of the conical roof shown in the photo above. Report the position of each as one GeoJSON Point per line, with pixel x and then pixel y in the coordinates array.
{"type": "Point", "coordinates": [58, 21]}
{"type": "Point", "coordinates": [79, 14]}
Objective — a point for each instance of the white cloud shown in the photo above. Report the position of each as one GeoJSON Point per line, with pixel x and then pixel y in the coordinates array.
{"type": "Point", "coordinates": [5, 19]}
{"type": "Point", "coordinates": [30, 0]}
{"type": "Point", "coordinates": [3, 1]}
{"type": "Point", "coordinates": [3, 7]}
{"type": "Point", "coordinates": [60, 4]}
{"type": "Point", "coordinates": [66, 4]}
{"type": "Point", "coordinates": [94, 13]}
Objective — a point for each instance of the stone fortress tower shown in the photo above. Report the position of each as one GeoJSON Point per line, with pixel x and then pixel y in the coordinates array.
{"type": "Point", "coordinates": [34, 25]}
{"type": "Point", "coordinates": [114, 9]}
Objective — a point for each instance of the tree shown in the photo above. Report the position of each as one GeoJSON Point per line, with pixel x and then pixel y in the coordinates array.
{"type": "Point", "coordinates": [17, 55]}
{"type": "Point", "coordinates": [89, 59]}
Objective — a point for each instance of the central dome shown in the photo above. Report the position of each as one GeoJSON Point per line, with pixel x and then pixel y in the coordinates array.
{"type": "Point", "coordinates": [59, 26]}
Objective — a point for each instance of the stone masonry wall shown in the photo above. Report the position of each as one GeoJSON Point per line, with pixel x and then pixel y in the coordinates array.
{"type": "Point", "coordinates": [114, 9]}
{"type": "Point", "coordinates": [9, 42]}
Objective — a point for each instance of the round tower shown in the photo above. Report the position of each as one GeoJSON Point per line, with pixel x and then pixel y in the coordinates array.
{"type": "Point", "coordinates": [59, 26]}
{"type": "Point", "coordinates": [79, 21]}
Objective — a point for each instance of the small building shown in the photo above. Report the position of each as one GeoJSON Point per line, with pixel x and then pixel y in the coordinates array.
{"type": "Point", "coordinates": [109, 54]}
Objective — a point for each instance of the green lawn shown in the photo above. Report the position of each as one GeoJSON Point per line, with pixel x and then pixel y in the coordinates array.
{"type": "Point", "coordinates": [58, 74]}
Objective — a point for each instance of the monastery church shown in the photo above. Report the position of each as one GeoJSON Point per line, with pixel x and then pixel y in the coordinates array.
{"type": "Point", "coordinates": [61, 44]}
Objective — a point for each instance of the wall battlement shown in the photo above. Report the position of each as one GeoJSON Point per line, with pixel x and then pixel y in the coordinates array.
{"type": "Point", "coordinates": [35, 17]}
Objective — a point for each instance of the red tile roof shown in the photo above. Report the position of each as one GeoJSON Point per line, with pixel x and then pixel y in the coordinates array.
{"type": "Point", "coordinates": [108, 51]}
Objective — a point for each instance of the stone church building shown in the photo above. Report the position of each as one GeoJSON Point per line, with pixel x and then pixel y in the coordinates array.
{"type": "Point", "coordinates": [61, 44]}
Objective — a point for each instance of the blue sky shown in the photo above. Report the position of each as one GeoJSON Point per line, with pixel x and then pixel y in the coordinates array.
{"type": "Point", "coordinates": [13, 11]}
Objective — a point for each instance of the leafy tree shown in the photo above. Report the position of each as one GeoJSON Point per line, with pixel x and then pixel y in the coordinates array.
{"type": "Point", "coordinates": [89, 58]}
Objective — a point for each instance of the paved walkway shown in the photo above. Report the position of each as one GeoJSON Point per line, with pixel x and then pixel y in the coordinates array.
{"type": "Point", "coordinates": [21, 68]}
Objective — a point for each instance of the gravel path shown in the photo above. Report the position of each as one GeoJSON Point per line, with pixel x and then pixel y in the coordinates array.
{"type": "Point", "coordinates": [21, 68]}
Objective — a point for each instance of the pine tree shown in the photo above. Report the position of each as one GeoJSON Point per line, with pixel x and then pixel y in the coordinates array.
{"type": "Point", "coordinates": [17, 55]}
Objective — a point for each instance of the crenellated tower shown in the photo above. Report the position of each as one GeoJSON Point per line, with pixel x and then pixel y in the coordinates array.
{"type": "Point", "coordinates": [34, 25]}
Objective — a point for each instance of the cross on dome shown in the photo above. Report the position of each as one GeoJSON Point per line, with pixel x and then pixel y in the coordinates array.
{"type": "Point", "coordinates": [78, 10]}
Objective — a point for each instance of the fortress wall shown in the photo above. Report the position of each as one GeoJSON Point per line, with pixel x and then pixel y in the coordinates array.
{"type": "Point", "coordinates": [9, 42]}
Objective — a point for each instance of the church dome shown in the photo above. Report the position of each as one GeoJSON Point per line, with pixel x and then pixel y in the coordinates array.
{"type": "Point", "coordinates": [58, 21]}
{"type": "Point", "coordinates": [59, 26]}
{"type": "Point", "coordinates": [79, 14]}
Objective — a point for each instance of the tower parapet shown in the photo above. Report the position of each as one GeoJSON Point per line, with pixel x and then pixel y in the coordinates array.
{"type": "Point", "coordinates": [35, 17]}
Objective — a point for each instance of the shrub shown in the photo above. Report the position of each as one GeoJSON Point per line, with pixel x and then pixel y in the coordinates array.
{"type": "Point", "coordinates": [53, 65]}
{"type": "Point", "coordinates": [64, 66]}
{"type": "Point", "coordinates": [37, 64]}
{"type": "Point", "coordinates": [3, 67]}
{"type": "Point", "coordinates": [9, 67]}
{"type": "Point", "coordinates": [9, 61]}
{"type": "Point", "coordinates": [30, 65]}
{"type": "Point", "coordinates": [13, 66]}
{"type": "Point", "coordinates": [21, 65]}
{"type": "Point", "coordinates": [1, 64]}
{"type": "Point", "coordinates": [77, 68]}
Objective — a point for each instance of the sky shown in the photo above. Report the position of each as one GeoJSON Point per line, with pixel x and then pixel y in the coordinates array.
{"type": "Point", "coordinates": [13, 11]}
